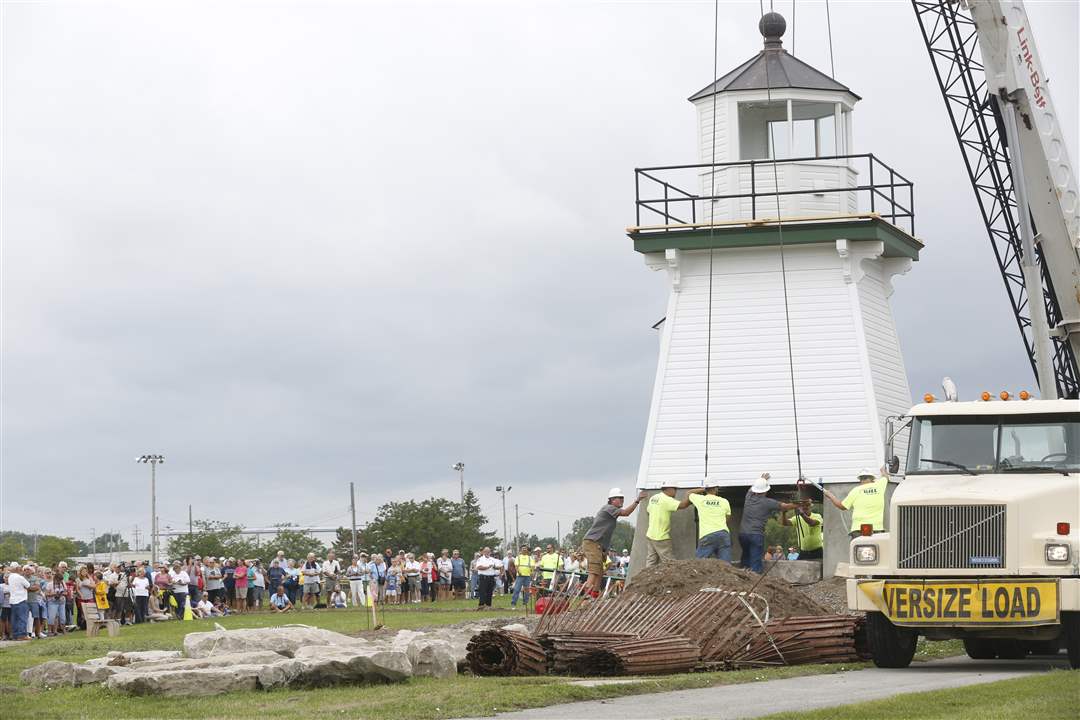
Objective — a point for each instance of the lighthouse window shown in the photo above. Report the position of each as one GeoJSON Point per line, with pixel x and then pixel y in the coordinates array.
{"type": "Point", "coordinates": [766, 131]}
{"type": "Point", "coordinates": [763, 130]}
{"type": "Point", "coordinates": [813, 129]}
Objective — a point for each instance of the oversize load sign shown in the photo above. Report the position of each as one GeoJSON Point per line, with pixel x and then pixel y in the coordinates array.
{"type": "Point", "coordinates": [930, 602]}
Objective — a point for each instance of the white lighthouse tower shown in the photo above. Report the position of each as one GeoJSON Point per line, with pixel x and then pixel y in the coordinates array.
{"type": "Point", "coordinates": [803, 237]}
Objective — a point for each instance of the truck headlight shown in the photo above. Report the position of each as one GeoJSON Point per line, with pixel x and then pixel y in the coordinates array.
{"type": "Point", "coordinates": [1057, 553]}
{"type": "Point", "coordinates": [866, 554]}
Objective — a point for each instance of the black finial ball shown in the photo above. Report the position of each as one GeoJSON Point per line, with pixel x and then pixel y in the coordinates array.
{"type": "Point", "coordinates": [772, 25]}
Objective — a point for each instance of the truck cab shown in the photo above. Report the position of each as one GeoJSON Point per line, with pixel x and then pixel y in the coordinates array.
{"type": "Point", "coordinates": [983, 540]}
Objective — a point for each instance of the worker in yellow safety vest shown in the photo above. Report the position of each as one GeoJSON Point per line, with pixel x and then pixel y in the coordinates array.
{"type": "Point", "coordinates": [524, 564]}
{"type": "Point", "coordinates": [808, 526]}
{"type": "Point", "coordinates": [549, 563]}
{"type": "Point", "coordinates": [866, 501]}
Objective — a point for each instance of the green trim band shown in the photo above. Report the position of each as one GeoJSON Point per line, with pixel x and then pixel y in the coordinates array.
{"type": "Point", "coordinates": [897, 242]}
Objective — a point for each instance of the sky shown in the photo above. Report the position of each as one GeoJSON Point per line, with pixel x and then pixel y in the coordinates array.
{"type": "Point", "coordinates": [293, 245]}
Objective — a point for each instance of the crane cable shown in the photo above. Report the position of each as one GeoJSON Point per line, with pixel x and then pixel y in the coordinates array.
{"type": "Point", "coordinates": [828, 24]}
{"type": "Point", "coordinates": [712, 225]}
{"type": "Point", "coordinates": [783, 274]}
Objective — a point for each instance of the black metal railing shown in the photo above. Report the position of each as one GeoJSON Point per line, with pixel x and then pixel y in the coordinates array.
{"type": "Point", "coordinates": [659, 190]}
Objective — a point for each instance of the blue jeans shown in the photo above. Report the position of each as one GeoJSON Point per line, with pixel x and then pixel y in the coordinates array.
{"type": "Point", "coordinates": [56, 612]}
{"type": "Point", "coordinates": [715, 545]}
{"type": "Point", "coordinates": [19, 614]}
{"type": "Point", "coordinates": [521, 581]}
{"type": "Point", "coordinates": [753, 551]}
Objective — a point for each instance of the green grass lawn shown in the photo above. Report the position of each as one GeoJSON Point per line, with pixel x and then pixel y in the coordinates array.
{"type": "Point", "coordinates": [1049, 696]}
{"type": "Point", "coordinates": [424, 698]}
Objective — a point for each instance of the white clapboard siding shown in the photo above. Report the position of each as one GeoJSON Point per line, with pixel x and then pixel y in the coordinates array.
{"type": "Point", "coordinates": [748, 379]}
{"type": "Point", "coordinates": [803, 176]}
{"type": "Point", "coordinates": [705, 132]}
{"type": "Point", "coordinates": [883, 348]}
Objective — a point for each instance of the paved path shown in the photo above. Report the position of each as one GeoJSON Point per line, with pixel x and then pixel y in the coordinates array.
{"type": "Point", "coordinates": [793, 694]}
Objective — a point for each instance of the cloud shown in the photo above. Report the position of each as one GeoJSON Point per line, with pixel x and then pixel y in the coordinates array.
{"type": "Point", "coordinates": [295, 246]}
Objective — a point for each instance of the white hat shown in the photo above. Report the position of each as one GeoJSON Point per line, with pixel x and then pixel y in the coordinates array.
{"type": "Point", "coordinates": [615, 492]}
{"type": "Point", "coordinates": [867, 472]}
{"type": "Point", "coordinates": [761, 485]}
{"type": "Point", "coordinates": [13, 566]}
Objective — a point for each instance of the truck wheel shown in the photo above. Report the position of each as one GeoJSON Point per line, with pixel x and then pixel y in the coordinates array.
{"type": "Point", "coordinates": [1010, 649]}
{"type": "Point", "coordinates": [1071, 620]}
{"type": "Point", "coordinates": [890, 646]}
{"type": "Point", "coordinates": [979, 649]}
{"type": "Point", "coordinates": [1044, 647]}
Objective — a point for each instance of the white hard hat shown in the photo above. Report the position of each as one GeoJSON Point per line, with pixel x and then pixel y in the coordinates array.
{"type": "Point", "coordinates": [761, 485]}
{"type": "Point", "coordinates": [867, 472]}
{"type": "Point", "coordinates": [615, 492]}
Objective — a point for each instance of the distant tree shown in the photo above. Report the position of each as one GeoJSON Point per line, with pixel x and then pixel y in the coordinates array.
{"type": "Point", "coordinates": [623, 537]}
{"type": "Point", "coordinates": [52, 549]}
{"type": "Point", "coordinates": [212, 538]}
{"type": "Point", "coordinates": [777, 534]}
{"type": "Point", "coordinates": [430, 525]}
{"type": "Point", "coordinates": [343, 545]}
{"type": "Point", "coordinates": [11, 549]}
{"type": "Point", "coordinates": [577, 532]}
{"type": "Point", "coordinates": [296, 543]}
{"type": "Point", "coordinates": [110, 542]}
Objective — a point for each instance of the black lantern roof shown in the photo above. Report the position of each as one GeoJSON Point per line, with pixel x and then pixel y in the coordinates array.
{"type": "Point", "coordinates": [773, 67]}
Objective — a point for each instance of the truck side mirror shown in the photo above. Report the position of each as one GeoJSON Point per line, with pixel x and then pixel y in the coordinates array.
{"type": "Point", "coordinates": [894, 465]}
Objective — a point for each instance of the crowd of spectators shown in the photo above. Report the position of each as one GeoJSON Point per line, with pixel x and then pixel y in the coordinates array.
{"type": "Point", "coordinates": [38, 601]}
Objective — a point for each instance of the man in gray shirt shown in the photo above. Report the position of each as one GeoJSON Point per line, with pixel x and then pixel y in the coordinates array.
{"type": "Point", "coordinates": [598, 538]}
{"type": "Point", "coordinates": [757, 510]}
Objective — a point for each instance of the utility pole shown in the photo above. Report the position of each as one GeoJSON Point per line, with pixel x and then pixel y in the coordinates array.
{"type": "Point", "coordinates": [190, 524]}
{"type": "Point", "coordinates": [558, 534]}
{"type": "Point", "coordinates": [352, 508]}
{"type": "Point", "coordinates": [460, 467]}
{"type": "Point", "coordinates": [137, 546]}
{"type": "Point", "coordinates": [153, 461]}
{"type": "Point", "coordinates": [517, 524]}
{"type": "Point", "coordinates": [502, 491]}
{"type": "Point", "coordinates": [93, 544]}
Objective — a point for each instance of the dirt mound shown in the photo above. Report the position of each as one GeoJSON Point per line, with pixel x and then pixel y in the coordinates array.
{"type": "Point", "coordinates": [680, 578]}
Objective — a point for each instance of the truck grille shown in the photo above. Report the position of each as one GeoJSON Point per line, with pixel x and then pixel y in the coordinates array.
{"type": "Point", "coordinates": [951, 536]}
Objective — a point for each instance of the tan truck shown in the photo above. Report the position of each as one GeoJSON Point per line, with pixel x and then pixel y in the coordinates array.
{"type": "Point", "coordinates": [983, 532]}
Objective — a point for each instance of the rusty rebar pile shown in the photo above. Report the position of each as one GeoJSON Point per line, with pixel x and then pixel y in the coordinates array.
{"type": "Point", "coordinates": [564, 651]}
{"type": "Point", "coordinates": [628, 616]}
{"type": "Point", "coordinates": [648, 656]}
{"type": "Point", "coordinates": [496, 652]}
{"type": "Point", "coordinates": [798, 641]}
{"type": "Point", "coordinates": [646, 635]}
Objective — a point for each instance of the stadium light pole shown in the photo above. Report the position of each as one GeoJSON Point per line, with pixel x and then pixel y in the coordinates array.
{"type": "Point", "coordinates": [460, 467]}
{"type": "Point", "coordinates": [153, 461]}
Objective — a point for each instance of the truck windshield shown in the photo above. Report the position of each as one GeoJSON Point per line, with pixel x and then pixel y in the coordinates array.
{"type": "Point", "coordinates": [976, 444]}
